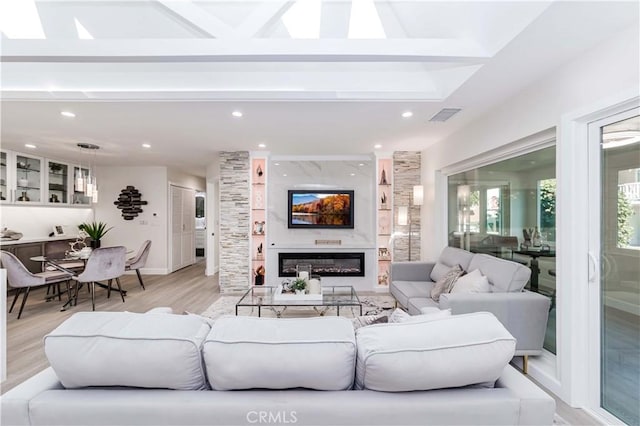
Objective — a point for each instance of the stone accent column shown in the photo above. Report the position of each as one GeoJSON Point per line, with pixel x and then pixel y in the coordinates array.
{"type": "Point", "coordinates": [406, 174]}
{"type": "Point", "coordinates": [234, 221]}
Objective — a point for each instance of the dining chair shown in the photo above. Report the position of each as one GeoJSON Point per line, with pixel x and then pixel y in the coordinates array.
{"type": "Point", "coordinates": [20, 278]}
{"type": "Point", "coordinates": [139, 260]}
{"type": "Point", "coordinates": [104, 264]}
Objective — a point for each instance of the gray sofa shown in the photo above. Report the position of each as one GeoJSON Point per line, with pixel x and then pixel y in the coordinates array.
{"type": "Point", "coordinates": [523, 313]}
{"type": "Point", "coordinates": [323, 355]}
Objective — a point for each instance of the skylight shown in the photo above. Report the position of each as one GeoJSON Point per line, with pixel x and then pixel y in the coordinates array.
{"type": "Point", "coordinates": [19, 19]}
{"type": "Point", "coordinates": [83, 34]}
{"type": "Point", "coordinates": [302, 20]}
{"type": "Point", "coordinates": [365, 21]}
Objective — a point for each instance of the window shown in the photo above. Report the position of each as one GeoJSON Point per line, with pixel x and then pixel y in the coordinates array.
{"type": "Point", "coordinates": [502, 207]}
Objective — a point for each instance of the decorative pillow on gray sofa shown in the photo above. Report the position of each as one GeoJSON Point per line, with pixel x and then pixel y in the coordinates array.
{"type": "Point", "coordinates": [128, 349]}
{"type": "Point", "coordinates": [275, 353]}
{"type": "Point", "coordinates": [444, 284]}
{"type": "Point", "coordinates": [451, 352]}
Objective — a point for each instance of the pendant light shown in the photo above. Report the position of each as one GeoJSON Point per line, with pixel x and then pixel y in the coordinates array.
{"type": "Point", "coordinates": [88, 183]}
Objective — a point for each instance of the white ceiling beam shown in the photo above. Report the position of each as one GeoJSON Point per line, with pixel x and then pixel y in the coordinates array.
{"type": "Point", "coordinates": [390, 23]}
{"type": "Point", "coordinates": [254, 50]}
{"type": "Point", "coordinates": [268, 12]}
{"type": "Point", "coordinates": [199, 18]}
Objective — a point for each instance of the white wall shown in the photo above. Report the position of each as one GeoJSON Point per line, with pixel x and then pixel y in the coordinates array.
{"type": "Point", "coordinates": [336, 173]}
{"type": "Point", "coordinates": [603, 71]}
{"type": "Point", "coordinates": [151, 224]}
{"type": "Point", "coordinates": [38, 222]}
{"type": "Point", "coordinates": [213, 216]}
{"type": "Point", "coordinates": [179, 178]}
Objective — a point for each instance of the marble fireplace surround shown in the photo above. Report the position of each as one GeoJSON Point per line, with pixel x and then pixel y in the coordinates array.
{"type": "Point", "coordinates": [355, 173]}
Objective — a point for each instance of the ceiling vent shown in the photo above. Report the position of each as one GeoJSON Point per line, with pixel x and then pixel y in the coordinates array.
{"type": "Point", "coordinates": [445, 114]}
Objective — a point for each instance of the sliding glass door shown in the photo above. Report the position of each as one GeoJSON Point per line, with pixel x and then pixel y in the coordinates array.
{"type": "Point", "coordinates": [507, 209]}
{"type": "Point", "coordinates": [614, 249]}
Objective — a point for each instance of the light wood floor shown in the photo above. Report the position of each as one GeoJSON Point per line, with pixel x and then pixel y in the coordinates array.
{"type": "Point", "coordinates": [185, 290]}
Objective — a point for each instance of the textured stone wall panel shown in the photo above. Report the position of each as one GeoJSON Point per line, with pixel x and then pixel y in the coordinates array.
{"type": "Point", "coordinates": [234, 221]}
{"type": "Point", "coordinates": [406, 174]}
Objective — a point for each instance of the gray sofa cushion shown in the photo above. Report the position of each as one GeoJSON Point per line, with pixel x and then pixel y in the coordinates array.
{"type": "Point", "coordinates": [417, 303]}
{"type": "Point", "coordinates": [275, 353]}
{"type": "Point", "coordinates": [128, 349]}
{"type": "Point", "coordinates": [450, 352]}
{"type": "Point", "coordinates": [405, 290]}
{"type": "Point", "coordinates": [503, 275]}
{"type": "Point", "coordinates": [450, 257]}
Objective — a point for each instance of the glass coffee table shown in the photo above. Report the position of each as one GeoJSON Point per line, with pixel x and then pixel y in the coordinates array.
{"type": "Point", "coordinates": [332, 296]}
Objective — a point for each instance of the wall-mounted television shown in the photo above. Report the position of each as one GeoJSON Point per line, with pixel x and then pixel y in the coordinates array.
{"type": "Point", "coordinates": [320, 209]}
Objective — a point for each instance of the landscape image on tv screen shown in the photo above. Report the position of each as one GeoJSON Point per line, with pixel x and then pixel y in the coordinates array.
{"type": "Point", "coordinates": [320, 209]}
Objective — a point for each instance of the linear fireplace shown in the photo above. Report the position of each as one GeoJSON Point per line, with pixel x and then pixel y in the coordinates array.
{"type": "Point", "coordinates": [323, 264]}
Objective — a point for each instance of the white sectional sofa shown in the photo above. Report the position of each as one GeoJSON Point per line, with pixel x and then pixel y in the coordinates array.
{"type": "Point", "coordinates": [158, 369]}
{"type": "Point", "coordinates": [522, 312]}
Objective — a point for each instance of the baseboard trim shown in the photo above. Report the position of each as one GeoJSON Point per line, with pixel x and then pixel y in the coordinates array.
{"type": "Point", "coordinates": [150, 271]}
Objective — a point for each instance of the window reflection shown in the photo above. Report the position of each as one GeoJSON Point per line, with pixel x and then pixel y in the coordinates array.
{"type": "Point", "coordinates": [507, 209]}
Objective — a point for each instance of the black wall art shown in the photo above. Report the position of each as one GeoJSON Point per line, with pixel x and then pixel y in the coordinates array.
{"type": "Point", "coordinates": [130, 202]}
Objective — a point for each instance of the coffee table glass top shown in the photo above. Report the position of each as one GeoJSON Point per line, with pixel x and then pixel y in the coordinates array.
{"type": "Point", "coordinates": [331, 296]}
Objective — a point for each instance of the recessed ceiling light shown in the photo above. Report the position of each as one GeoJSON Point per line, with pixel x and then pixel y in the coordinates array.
{"type": "Point", "coordinates": [146, 145]}
{"type": "Point", "coordinates": [236, 114]}
{"type": "Point", "coordinates": [407, 114]}
{"type": "Point", "coordinates": [262, 145]}
{"type": "Point", "coordinates": [67, 114]}
{"type": "Point", "coordinates": [353, 174]}
{"type": "Point", "coordinates": [285, 175]}
{"type": "Point", "coordinates": [30, 145]}
{"type": "Point", "coordinates": [361, 164]}
{"type": "Point", "coordinates": [377, 146]}
{"type": "Point", "coordinates": [277, 164]}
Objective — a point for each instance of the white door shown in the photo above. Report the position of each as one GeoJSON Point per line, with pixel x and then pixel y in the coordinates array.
{"type": "Point", "coordinates": [614, 276]}
{"type": "Point", "coordinates": [182, 227]}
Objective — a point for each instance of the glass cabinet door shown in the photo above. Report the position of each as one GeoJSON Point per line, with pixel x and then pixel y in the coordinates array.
{"type": "Point", "coordinates": [79, 187]}
{"type": "Point", "coordinates": [28, 179]}
{"type": "Point", "coordinates": [57, 182]}
{"type": "Point", "coordinates": [4, 189]}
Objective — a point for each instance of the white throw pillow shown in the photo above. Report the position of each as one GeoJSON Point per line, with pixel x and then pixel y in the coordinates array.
{"type": "Point", "coordinates": [473, 282]}
{"type": "Point", "coordinates": [400, 316]}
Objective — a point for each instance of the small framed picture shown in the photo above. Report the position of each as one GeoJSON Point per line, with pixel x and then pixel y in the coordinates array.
{"type": "Point", "coordinates": [58, 231]}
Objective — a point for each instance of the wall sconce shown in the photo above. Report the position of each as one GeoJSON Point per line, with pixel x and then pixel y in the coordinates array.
{"type": "Point", "coordinates": [403, 215]}
{"type": "Point", "coordinates": [418, 195]}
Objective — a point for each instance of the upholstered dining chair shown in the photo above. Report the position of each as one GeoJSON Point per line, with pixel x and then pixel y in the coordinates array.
{"type": "Point", "coordinates": [139, 260]}
{"type": "Point", "coordinates": [20, 278]}
{"type": "Point", "coordinates": [104, 264]}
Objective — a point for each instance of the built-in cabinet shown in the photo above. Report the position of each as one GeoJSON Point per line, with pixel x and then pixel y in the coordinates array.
{"type": "Point", "coordinates": [258, 242]}
{"type": "Point", "coordinates": [27, 179]}
{"type": "Point", "coordinates": [384, 204]}
{"type": "Point", "coordinates": [183, 213]}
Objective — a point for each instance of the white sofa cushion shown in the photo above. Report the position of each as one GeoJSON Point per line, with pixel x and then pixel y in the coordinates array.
{"type": "Point", "coordinates": [473, 282]}
{"type": "Point", "coordinates": [128, 349]}
{"type": "Point", "coordinates": [450, 352]}
{"type": "Point", "coordinates": [275, 353]}
{"type": "Point", "coordinates": [427, 314]}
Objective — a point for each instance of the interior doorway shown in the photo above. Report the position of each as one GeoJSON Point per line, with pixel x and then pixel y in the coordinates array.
{"type": "Point", "coordinates": [201, 225]}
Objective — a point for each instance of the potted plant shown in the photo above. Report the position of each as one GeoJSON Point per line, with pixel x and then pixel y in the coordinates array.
{"type": "Point", "coordinates": [95, 231]}
{"type": "Point", "coordinates": [299, 285]}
